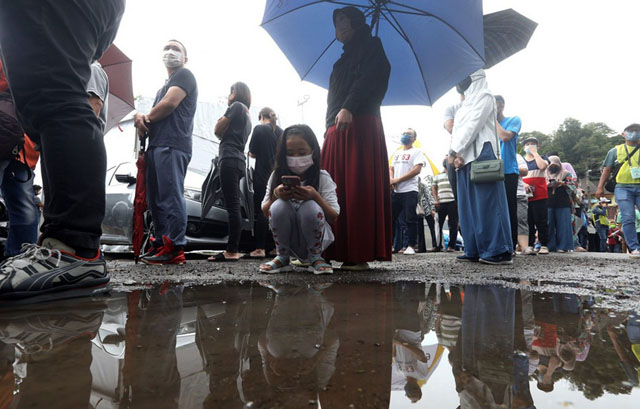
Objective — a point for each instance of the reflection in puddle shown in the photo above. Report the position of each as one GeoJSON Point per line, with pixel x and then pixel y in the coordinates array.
{"type": "Point", "coordinates": [395, 345]}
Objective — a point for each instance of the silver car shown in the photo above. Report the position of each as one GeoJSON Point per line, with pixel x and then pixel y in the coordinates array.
{"type": "Point", "coordinates": [209, 232]}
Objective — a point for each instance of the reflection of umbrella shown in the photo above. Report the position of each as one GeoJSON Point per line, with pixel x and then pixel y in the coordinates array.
{"type": "Point", "coordinates": [118, 69]}
{"type": "Point", "coordinates": [140, 202]}
{"type": "Point", "coordinates": [505, 33]}
{"type": "Point", "coordinates": [431, 44]}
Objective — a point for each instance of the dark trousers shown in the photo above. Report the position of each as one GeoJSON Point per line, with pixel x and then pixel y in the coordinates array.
{"type": "Point", "coordinates": [47, 48]}
{"type": "Point", "coordinates": [449, 209]}
{"type": "Point", "coordinates": [422, 242]}
{"type": "Point", "coordinates": [261, 227]}
{"type": "Point", "coordinates": [406, 203]}
{"type": "Point", "coordinates": [431, 222]}
{"type": "Point", "coordinates": [511, 186]}
{"type": "Point", "coordinates": [166, 170]}
{"type": "Point", "coordinates": [583, 235]}
{"type": "Point", "coordinates": [603, 233]}
{"type": "Point", "coordinates": [538, 218]}
{"type": "Point", "coordinates": [230, 173]}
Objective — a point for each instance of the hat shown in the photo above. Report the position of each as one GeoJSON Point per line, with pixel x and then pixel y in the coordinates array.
{"type": "Point", "coordinates": [530, 139]}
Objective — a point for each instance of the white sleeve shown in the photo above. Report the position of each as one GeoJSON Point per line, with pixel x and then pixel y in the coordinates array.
{"type": "Point", "coordinates": [328, 191]}
{"type": "Point", "coordinates": [450, 111]}
{"type": "Point", "coordinates": [464, 135]}
{"type": "Point", "coordinates": [265, 199]}
{"type": "Point", "coordinates": [420, 159]}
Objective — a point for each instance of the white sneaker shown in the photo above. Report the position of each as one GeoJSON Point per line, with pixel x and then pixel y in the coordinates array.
{"type": "Point", "coordinates": [543, 250]}
{"type": "Point", "coordinates": [409, 251]}
{"type": "Point", "coordinates": [635, 254]}
{"type": "Point", "coordinates": [529, 251]}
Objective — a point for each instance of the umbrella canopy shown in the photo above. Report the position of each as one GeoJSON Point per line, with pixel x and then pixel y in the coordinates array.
{"type": "Point", "coordinates": [118, 69]}
{"type": "Point", "coordinates": [505, 33]}
{"type": "Point", "coordinates": [139, 202]}
{"type": "Point", "coordinates": [431, 44]}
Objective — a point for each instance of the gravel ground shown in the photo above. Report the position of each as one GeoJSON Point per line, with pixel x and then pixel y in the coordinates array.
{"type": "Point", "coordinates": [613, 278]}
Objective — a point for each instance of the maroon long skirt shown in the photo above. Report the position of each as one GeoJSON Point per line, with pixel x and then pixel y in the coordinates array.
{"type": "Point", "coordinates": [357, 161]}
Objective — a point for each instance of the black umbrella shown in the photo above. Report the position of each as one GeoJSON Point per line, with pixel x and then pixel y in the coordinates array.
{"type": "Point", "coordinates": [505, 33]}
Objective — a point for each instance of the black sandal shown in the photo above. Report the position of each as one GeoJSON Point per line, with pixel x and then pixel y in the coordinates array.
{"type": "Point", "coordinates": [220, 258]}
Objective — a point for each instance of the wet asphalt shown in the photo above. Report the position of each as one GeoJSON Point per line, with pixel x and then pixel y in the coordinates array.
{"type": "Point", "coordinates": [613, 278]}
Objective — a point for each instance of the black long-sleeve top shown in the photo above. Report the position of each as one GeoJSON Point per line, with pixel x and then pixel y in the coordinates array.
{"type": "Point", "coordinates": [359, 78]}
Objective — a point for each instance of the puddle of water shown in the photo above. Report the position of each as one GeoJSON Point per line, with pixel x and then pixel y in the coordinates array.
{"type": "Point", "coordinates": [401, 345]}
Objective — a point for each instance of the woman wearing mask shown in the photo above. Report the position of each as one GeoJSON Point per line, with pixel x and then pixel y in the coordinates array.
{"type": "Point", "coordinates": [300, 202]}
{"type": "Point", "coordinates": [233, 129]}
{"type": "Point", "coordinates": [559, 183]}
{"type": "Point", "coordinates": [484, 215]}
{"type": "Point", "coordinates": [354, 151]}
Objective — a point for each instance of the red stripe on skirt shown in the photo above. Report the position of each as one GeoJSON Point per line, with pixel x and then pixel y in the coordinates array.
{"type": "Point", "coordinates": [357, 161]}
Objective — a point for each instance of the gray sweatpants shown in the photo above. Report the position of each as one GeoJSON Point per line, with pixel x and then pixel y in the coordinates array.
{"type": "Point", "coordinates": [297, 229]}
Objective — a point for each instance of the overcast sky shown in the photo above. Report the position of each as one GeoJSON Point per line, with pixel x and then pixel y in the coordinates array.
{"type": "Point", "coordinates": [581, 62]}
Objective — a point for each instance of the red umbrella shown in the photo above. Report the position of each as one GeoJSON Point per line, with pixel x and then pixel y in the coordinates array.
{"type": "Point", "coordinates": [118, 69]}
{"type": "Point", "coordinates": [139, 202]}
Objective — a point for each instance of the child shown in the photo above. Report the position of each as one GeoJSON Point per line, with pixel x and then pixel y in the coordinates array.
{"type": "Point", "coordinates": [299, 213]}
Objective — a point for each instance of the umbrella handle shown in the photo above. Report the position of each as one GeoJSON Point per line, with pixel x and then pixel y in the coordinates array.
{"type": "Point", "coordinates": [143, 142]}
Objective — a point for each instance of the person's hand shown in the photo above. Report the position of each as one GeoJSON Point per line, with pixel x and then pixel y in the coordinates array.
{"type": "Point", "coordinates": [436, 204]}
{"type": "Point", "coordinates": [305, 193]}
{"type": "Point", "coordinates": [527, 188]}
{"type": "Point", "coordinates": [533, 149]}
{"type": "Point", "coordinates": [458, 162]}
{"type": "Point", "coordinates": [450, 159]}
{"type": "Point", "coordinates": [393, 182]}
{"type": "Point", "coordinates": [141, 122]}
{"type": "Point", "coordinates": [283, 192]}
{"type": "Point", "coordinates": [343, 119]}
{"type": "Point", "coordinates": [600, 191]}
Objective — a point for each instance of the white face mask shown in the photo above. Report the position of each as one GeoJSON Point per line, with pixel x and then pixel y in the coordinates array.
{"type": "Point", "coordinates": [299, 164]}
{"type": "Point", "coordinates": [172, 58]}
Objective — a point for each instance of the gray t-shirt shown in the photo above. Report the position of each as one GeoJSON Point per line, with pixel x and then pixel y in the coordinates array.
{"type": "Point", "coordinates": [99, 86]}
{"type": "Point", "coordinates": [175, 130]}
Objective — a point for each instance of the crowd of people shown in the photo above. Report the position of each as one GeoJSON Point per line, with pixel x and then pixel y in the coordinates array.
{"type": "Point", "coordinates": [343, 202]}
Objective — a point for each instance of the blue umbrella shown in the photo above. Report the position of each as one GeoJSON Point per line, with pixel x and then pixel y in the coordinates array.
{"type": "Point", "coordinates": [431, 44]}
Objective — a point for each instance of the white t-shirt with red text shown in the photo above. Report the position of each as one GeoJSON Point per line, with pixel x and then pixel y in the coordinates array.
{"type": "Point", "coordinates": [402, 162]}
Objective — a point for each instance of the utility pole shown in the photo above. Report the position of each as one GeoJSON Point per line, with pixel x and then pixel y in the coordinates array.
{"type": "Point", "coordinates": [301, 103]}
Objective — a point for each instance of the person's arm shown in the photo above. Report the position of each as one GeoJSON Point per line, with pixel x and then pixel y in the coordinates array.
{"type": "Point", "coordinates": [391, 171]}
{"type": "Point", "coordinates": [606, 172]}
{"type": "Point", "coordinates": [305, 193]}
{"type": "Point", "coordinates": [466, 135]}
{"type": "Point", "coordinates": [448, 125]}
{"type": "Point", "coordinates": [163, 109]}
{"type": "Point", "coordinates": [504, 135]}
{"type": "Point", "coordinates": [375, 69]}
{"type": "Point", "coordinates": [523, 171]}
{"type": "Point", "coordinates": [540, 161]}
{"type": "Point", "coordinates": [434, 193]}
{"type": "Point", "coordinates": [415, 171]}
{"type": "Point", "coordinates": [96, 103]}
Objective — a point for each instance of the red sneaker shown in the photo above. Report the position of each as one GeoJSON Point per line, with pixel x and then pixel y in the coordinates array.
{"type": "Point", "coordinates": [168, 254]}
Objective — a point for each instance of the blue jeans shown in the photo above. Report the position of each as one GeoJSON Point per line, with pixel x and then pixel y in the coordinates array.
{"type": "Point", "coordinates": [627, 198]}
{"type": "Point", "coordinates": [166, 170]}
{"type": "Point", "coordinates": [483, 213]}
{"type": "Point", "coordinates": [603, 234]}
{"type": "Point", "coordinates": [21, 206]}
{"type": "Point", "coordinates": [560, 230]}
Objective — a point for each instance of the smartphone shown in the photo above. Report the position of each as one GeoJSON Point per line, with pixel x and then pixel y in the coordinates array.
{"type": "Point", "coordinates": [291, 181]}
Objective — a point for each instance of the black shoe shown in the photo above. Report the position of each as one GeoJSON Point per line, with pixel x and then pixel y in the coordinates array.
{"type": "Point", "coordinates": [502, 259]}
{"type": "Point", "coordinates": [468, 259]}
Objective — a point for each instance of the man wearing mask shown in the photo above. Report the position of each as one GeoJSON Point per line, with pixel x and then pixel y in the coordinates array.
{"type": "Point", "coordinates": [47, 48]}
{"type": "Point", "coordinates": [169, 127]}
{"type": "Point", "coordinates": [264, 141]}
{"type": "Point", "coordinates": [508, 129]}
{"type": "Point", "coordinates": [627, 190]}
{"type": "Point", "coordinates": [406, 165]}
